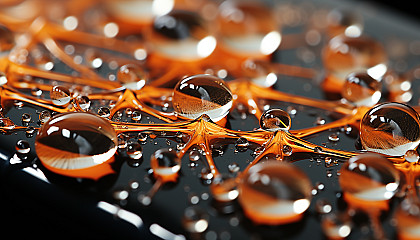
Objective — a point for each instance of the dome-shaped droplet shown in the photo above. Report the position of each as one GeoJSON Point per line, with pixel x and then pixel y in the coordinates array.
{"type": "Point", "coordinates": [248, 28]}
{"type": "Point", "coordinates": [344, 55]}
{"type": "Point", "coordinates": [260, 72]}
{"type": "Point", "coordinates": [77, 145]}
{"type": "Point", "coordinates": [23, 147]}
{"type": "Point", "coordinates": [132, 76]}
{"type": "Point", "coordinates": [361, 89]}
{"type": "Point", "coordinates": [202, 94]}
{"type": "Point", "coordinates": [224, 189]}
{"type": "Point", "coordinates": [274, 192]}
{"type": "Point", "coordinates": [165, 164]}
{"type": "Point", "coordinates": [182, 35]}
{"type": "Point", "coordinates": [369, 177]}
{"type": "Point", "coordinates": [275, 120]}
{"type": "Point", "coordinates": [390, 128]}
{"type": "Point", "coordinates": [60, 95]}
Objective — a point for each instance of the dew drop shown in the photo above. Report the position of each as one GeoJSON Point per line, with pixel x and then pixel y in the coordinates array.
{"type": "Point", "coordinates": [248, 28]}
{"type": "Point", "coordinates": [104, 112]}
{"type": "Point", "coordinates": [362, 89]}
{"type": "Point", "coordinates": [194, 155]}
{"type": "Point", "coordinates": [60, 95]}
{"type": "Point", "coordinates": [333, 137]}
{"type": "Point", "coordinates": [412, 156]}
{"type": "Point", "coordinates": [134, 150]}
{"type": "Point", "coordinates": [369, 177]}
{"type": "Point", "coordinates": [165, 164]}
{"type": "Point", "coordinates": [26, 118]}
{"type": "Point", "coordinates": [202, 94]}
{"type": "Point", "coordinates": [241, 144]}
{"type": "Point", "coordinates": [77, 145]}
{"type": "Point", "coordinates": [132, 76]}
{"type": "Point", "coordinates": [260, 72]}
{"type": "Point", "coordinates": [44, 116]}
{"type": "Point", "coordinates": [83, 102]}
{"type": "Point", "coordinates": [22, 147]}
{"type": "Point", "coordinates": [182, 35]}
{"type": "Point", "coordinates": [233, 167]}
{"type": "Point", "coordinates": [275, 120]}
{"type": "Point", "coordinates": [344, 55]}
{"type": "Point", "coordinates": [274, 192]}
{"type": "Point", "coordinates": [391, 129]}
{"type": "Point", "coordinates": [224, 189]}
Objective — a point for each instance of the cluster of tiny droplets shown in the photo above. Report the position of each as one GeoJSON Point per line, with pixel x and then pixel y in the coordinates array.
{"type": "Point", "coordinates": [224, 52]}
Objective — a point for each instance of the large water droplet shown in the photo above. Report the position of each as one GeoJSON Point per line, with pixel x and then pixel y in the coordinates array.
{"type": "Point", "coordinates": [344, 55]}
{"type": "Point", "coordinates": [202, 94]}
{"type": "Point", "coordinates": [182, 35]}
{"type": "Point", "coordinates": [369, 177]}
{"type": "Point", "coordinates": [274, 192]}
{"type": "Point", "coordinates": [390, 128]}
{"type": "Point", "coordinates": [77, 145]}
{"type": "Point", "coordinates": [361, 89]}
{"type": "Point", "coordinates": [248, 28]}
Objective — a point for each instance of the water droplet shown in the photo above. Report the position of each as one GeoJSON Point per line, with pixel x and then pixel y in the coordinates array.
{"type": "Point", "coordinates": [195, 220]}
{"type": "Point", "coordinates": [22, 147]}
{"type": "Point", "coordinates": [44, 116]}
{"type": "Point", "coordinates": [287, 150]}
{"type": "Point", "coordinates": [134, 150]}
{"type": "Point", "coordinates": [136, 116]}
{"type": "Point", "coordinates": [202, 94]}
{"type": "Point", "coordinates": [275, 120]}
{"type": "Point", "coordinates": [194, 155]}
{"type": "Point", "coordinates": [260, 72]}
{"type": "Point", "coordinates": [60, 95]}
{"type": "Point", "coordinates": [206, 176]}
{"type": "Point", "coordinates": [274, 192]}
{"type": "Point", "coordinates": [132, 76]}
{"type": "Point", "coordinates": [248, 28]}
{"type": "Point", "coordinates": [241, 144]}
{"type": "Point", "coordinates": [182, 35]}
{"type": "Point", "coordinates": [26, 118]}
{"type": "Point", "coordinates": [77, 145]}
{"type": "Point", "coordinates": [104, 112]}
{"type": "Point", "coordinates": [333, 137]}
{"type": "Point", "coordinates": [344, 55]}
{"type": "Point", "coordinates": [412, 156]}
{"type": "Point", "coordinates": [83, 102]}
{"type": "Point", "coordinates": [224, 189]}
{"type": "Point", "coordinates": [165, 164]}
{"type": "Point", "coordinates": [369, 177]}
{"type": "Point", "coordinates": [390, 128]}
{"type": "Point", "coordinates": [361, 89]}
